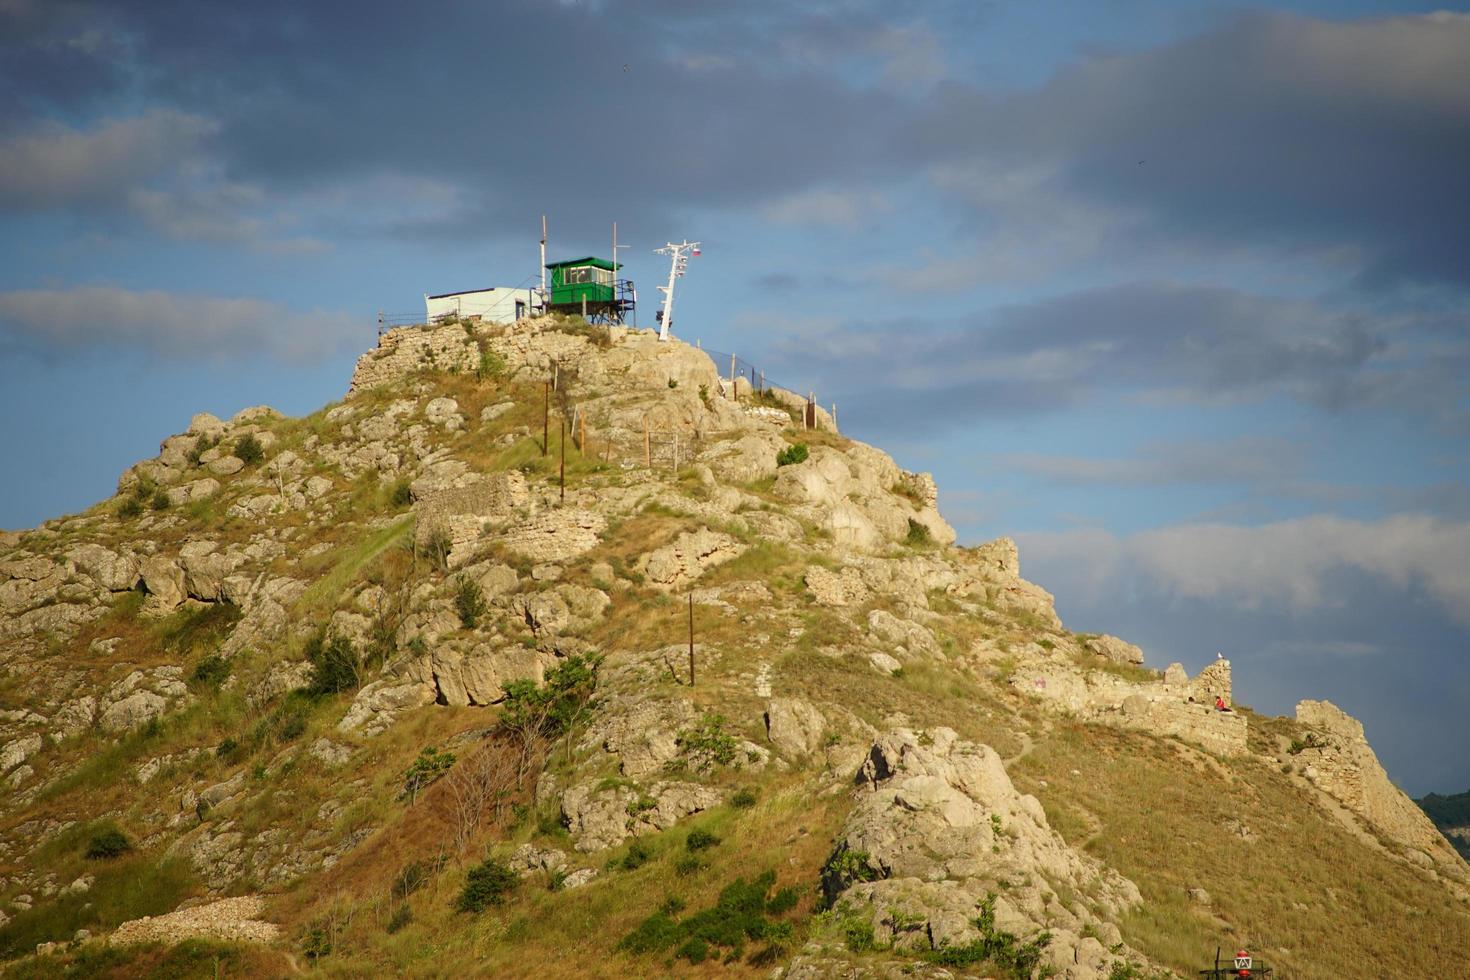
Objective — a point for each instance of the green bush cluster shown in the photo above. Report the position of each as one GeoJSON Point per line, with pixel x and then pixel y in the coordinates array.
{"type": "Point", "coordinates": [743, 913]}
{"type": "Point", "coordinates": [700, 839]}
{"type": "Point", "coordinates": [334, 663]}
{"type": "Point", "coordinates": [796, 453]}
{"type": "Point", "coordinates": [249, 450]}
{"type": "Point", "coordinates": [108, 844]}
{"type": "Point", "coordinates": [918, 535]}
{"type": "Point", "coordinates": [211, 670]}
{"type": "Point", "coordinates": [707, 745]}
{"type": "Point", "coordinates": [487, 884]}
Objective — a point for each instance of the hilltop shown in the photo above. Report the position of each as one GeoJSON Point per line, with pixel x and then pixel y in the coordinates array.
{"type": "Point", "coordinates": [416, 696]}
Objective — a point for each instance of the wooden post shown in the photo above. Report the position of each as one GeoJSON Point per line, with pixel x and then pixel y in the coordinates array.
{"type": "Point", "coordinates": [563, 459]}
{"type": "Point", "coordinates": [647, 446]}
{"type": "Point", "coordinates": [734, 393]}
{"type": "Point", "coordinates": [582, 425]}
{"type": "Point", "coordinates": [763, 382]}
{"type": "Point", "coordinates": [546, 420]}
{"type": "Point", "coordinates": [834, 416]}
{"type": "Point", "coordinates": [584, 306]}
{"type": "Point", "coordinates": [674, 461]}
{"type": "Point", "coordinates": [691, 639]}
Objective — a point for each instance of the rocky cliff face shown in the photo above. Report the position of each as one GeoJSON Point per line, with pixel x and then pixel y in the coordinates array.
{"type": "Point", "coordinates": [239, 657]}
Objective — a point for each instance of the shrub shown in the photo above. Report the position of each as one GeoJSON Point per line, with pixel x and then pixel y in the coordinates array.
{"type": "Point", "coordinates": [993, 946]}
{"type": "Point", "coordinates": [290, 726]}
{"type": "Point", "coordinates": [796, 453]}
{"type": "Point", "coordinates": [413, 876]}
{"type": "Point", "coordinates": [108, 844]}
{"type": "Point", "coordinates": [740, 914]}
{"type": "Point", "coordinates": [402, 916]}
{"type": "Point", "coordinates": [317, 943]}
{"type": "Point", "coordinates": [437, 546]}
{"type": "Point", "coordinates": [226, 748]}
{"type": "Point", "coordinates": [211, 670]}
{"type": "Point", "coordinates": [638, 855]}
{"type": "Point", "coordinates": [700, 839]}
{"type": "Point", "coordinates": [334, 664]}
{"type": "Point", "coordinates": [708, 745]}
{"type": "Point", "coordinates": [491, 366]}
{"type": "Point", "coordinates": [249, 450]}
{"type": "Point", "coordinates": [402, 494]}
{"type": "Point", "coordinates": [783, 901]}
{"type": "Point", "coordinates": [743, 799]}
{"type": "Point", "coordinates": [918, 534]}
{"type": "Point", "coordinates": [427, 768]}
{"type": "Point", "coordinates": [487, 884]}
{"type": "Point", "coordinates": [160, 499]}
{"type": "Point", "coordinates": [469, 602]}
{"type": "Point", "coordinates": [687, 865]}
{"type": "Point", "coordinates": [130, 508]}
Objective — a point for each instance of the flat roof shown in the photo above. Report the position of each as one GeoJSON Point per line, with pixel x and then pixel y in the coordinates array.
{"type": "Point", "coordinates": [588, 260]}
{"type": "Point", "coordinates": [466, 292]}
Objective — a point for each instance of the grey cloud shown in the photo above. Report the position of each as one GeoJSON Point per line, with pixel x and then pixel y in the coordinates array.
{"type": "Point", "coordinates": [1275, 131]}
{"type": "Point", "coordinates": [1247, 459]}
{"type": "Point", "coordinates": [1157, 342]}
{"type": "Point", "coordinates": [1290, 564]}
{"type": "Point", "coordinates": [53, 165]}
{"type": "Point", "coordinates": [174, 325]}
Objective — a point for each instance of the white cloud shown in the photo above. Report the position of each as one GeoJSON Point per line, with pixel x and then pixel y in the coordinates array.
{"type": "Point", "coordinates": [844, 209]}
{"type": "Point", "coordinates": [55, 165]}
{"type": "Point", "coordinates": [1290, 564]}
{"type": "Point", "coordinates": [175, 325]}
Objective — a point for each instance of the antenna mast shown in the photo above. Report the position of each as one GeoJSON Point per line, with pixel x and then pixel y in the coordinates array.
{"type": "Point", "coordinates": [543, 263]}
{"type": "Point", "coordinates": [678, 260]}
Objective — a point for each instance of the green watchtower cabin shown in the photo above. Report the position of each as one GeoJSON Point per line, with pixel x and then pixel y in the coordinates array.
{"type": "Point", "coordinates": [590, 285]}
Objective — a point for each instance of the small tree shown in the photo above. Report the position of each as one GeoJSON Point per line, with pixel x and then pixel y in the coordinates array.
{"type": "Point", "coordinates": [334, 664]}
{"type": "Point", "coordinates": [487, 884]}
{"type": "Point", "coordinates": [469, 602]}
{"type": "Point", "coordinates": [249, 450]}
{"type": "Point", "coordinates": [427, 768]}
{"type": "Point", "coordinates": [534, 716]}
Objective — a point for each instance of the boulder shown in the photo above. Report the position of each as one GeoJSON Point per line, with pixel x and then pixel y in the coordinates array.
{"type": "Point", "coordinates": [164, 580]}
{"type": "Point", "coordinates": [795, 727]}
{"type": "Point", "coordinates": [1116, 650]}
{"type": "Point", "coordinates": [132, 711]}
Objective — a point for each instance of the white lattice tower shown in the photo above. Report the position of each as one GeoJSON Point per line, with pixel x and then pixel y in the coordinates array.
{"type": "Point", "coordinates": [678, 262]}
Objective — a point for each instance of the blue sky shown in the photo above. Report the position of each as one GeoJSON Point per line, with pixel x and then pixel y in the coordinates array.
{"type": "Point", "coordinates": [1172, 292]}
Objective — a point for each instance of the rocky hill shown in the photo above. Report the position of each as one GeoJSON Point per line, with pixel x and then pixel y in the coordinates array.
{"type": "Point", "coordinates": [407, 687]}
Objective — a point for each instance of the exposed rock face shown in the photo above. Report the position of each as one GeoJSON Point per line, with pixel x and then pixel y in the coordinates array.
{"type": "Point", "coordinates": [1173, 706]}
{"type": "Point", "coordinates": [939, 825]}
{"type": "Point", "coordinates": [688, 557]}
{"type": "Point", "coordinates": [845, 588]}
{"type": "Point", "coordinates": [599, 818]}
{"type": "Point", "coordinates": [556, 534]}
{"type": "Point", "coordinates": [1340, 762]}
{"type": "Point", "coordinates": [1116, 650]}
{"type": "Point", "coordinates": [409, 349]}
{"type": "Point", "coordinates": [795, 727]}
{"type": "Point", "coordinates": [228, 920]}
{"type": "Point", "coordinates": [459, 514]}
{"type": "Point", "coordinates": [850, 493]}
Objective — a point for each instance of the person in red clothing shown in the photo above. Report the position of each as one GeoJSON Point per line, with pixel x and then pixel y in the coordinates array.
{"type": "Point", "coordinates": [1220, 703]}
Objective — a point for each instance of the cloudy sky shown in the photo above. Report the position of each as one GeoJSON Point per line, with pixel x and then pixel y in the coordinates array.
{"type": "Point", "coordinates": [1175, 293]}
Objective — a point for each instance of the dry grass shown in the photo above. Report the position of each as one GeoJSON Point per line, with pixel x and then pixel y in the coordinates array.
{"type": "Point", "coordinates": [1284, 879]}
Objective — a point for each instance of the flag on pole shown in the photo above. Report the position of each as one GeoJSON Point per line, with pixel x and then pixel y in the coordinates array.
{"type": "Point", "coordinates": [694, 252]}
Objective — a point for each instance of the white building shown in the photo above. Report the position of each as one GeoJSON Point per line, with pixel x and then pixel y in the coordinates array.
{"type": "Point", "coordinates": [498, 304]}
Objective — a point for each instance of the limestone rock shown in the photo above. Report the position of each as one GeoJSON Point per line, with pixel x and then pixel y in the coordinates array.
{"type": "Point", "coordinates": [1116, 650]}
{"type": "Point", "coordinates": [844, 588]}
{"type": "Point", "coordinates": [190, 492]}
{"type": "Point", "coordinates": [225, 465]}
{"type": "Point", "coordinates": [480, 675]}
{"type": "Point", "coordinates": [641, 732]}
{"type": "Point", "coordinates": [688, 557]}
{"type": "Point", "coordinates": [795, 727]}
{"type": "Point", "coordinates": [599, 818]}
{"type": "Point", "coordinates": [110, 570]}
{"type": "Point", "coordinates": [18, 750]}
{"type": "Point", "coordinates": [1344, 766]}
{"type": "Point", "coordinates": [164, 581]}
{"type": "Point", "coordinates": [559, 534]}
{"type": "Point", "coordinates": [132, 711]}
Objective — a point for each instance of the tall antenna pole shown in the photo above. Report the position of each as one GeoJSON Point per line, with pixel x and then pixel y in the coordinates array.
{"type": "Point", "coordinates": [543, 263]}
{"type": "Point", "coordinates": [616, 264]}
{"type": "Point", "coordinates": [678, 261]}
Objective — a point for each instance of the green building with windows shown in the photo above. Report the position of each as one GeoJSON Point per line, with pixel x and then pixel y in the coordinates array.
{"type": "Point", "coordinates": [590, 285]}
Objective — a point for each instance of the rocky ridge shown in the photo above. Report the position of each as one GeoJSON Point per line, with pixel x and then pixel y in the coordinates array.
{"type": "Point", "coordinates": [825, 590]}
